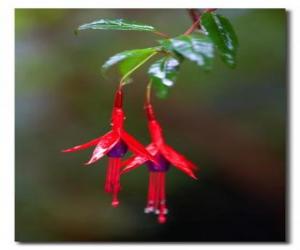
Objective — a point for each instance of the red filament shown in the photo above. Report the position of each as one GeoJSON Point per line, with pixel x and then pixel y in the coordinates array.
{"type": "Point", "coordinates": [112, 184]}
{"type": "Point", "coordinates": [156, 196]}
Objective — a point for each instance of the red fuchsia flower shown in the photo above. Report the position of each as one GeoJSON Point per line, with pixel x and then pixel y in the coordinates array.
{"type": "Point", "coordinates": [164, 155]}
{"type": "Point", "coordinates": [114, 144]}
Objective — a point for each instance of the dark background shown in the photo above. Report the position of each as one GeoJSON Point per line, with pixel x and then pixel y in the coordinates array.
{"type": "Point", "coordinates": [231, 123]}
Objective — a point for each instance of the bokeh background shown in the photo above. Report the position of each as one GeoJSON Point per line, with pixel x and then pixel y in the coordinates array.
{"type": "Point", "coordinates": [231, 123]}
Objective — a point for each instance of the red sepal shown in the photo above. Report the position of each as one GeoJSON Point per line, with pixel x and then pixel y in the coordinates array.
{"type": "Point", "coordinates": [178, 160]}
{"type": "Point", "coordinates": [105, 143]}
{"type": "Point", "coordinates": [136, 161]}
{"type": "Point", "coordinates": [83, 146]}
{"type": "Point", "coordinates": [136, 147]}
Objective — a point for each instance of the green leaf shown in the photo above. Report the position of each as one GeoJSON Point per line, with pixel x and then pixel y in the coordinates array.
{"type": "Point", "coordinates": [129, 60]}
{"type": "Point", "coordinates": [116, 24]}
{"type": "Point", "coordinates": [163, 74]}
{"type": "Point", "coordinates": [165, 70]}
{"type": "Point", "coordinates": [167, 46]}
{"type": "Point", "coordinates": [161, 90]}
{"type": "Point", "coordinates": [221, 32]}
{"type": "Point", "coordinates": [196, 47]}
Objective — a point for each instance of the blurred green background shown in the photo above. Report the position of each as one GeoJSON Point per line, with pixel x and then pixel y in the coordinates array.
{"type": "Point", "coordinates": [231, 123]}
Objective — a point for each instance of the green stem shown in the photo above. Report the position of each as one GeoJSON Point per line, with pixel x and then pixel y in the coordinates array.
{"type": "Point", "coordinates": [122, 82]}
{"type": "Point", "coordinates": [148, 92]}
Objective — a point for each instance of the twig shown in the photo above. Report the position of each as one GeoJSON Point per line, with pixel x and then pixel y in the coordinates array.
{"type": "Point", "coordinates": [195, 25]}
{"type": "Point", "coordinates": [196, 18]}
{"type": "Point", "coordinates": [161, 34]}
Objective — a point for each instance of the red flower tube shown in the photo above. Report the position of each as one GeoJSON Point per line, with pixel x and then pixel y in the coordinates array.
{"type": "Point", "coordinates": [114, 144]}
{"type": "Point", "coordinates": [164, 155]}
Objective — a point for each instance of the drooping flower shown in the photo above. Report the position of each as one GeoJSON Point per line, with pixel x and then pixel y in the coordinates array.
{"type": "Point", "coordinates": [114, 144]}
{"type": "Point", "coordinates": [165, 156]}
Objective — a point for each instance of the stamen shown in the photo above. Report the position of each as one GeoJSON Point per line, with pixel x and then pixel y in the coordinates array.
{"type": "Point", "coordinates": [108, 180]}
{"type": "Point", "coordinates": [156, 190]}
{"type": "Point", "coordinates": [150, 203]}
{"type": "Point", "coordinates": [116, 181]}
{"type": "Point", "coordinates": [156, 196]}
{"type": "Point", "coordinates": [112, 184]}
{"type": "Point", "coordinates": [115, 202]}
{"type": "Point", "coordinates": [162, 199]}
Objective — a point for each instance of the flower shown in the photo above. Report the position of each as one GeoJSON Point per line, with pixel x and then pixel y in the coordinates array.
{"type": "Point", "coordinates": [114, 144]}
{"type": "Point", "coordinates": [164, 155]}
